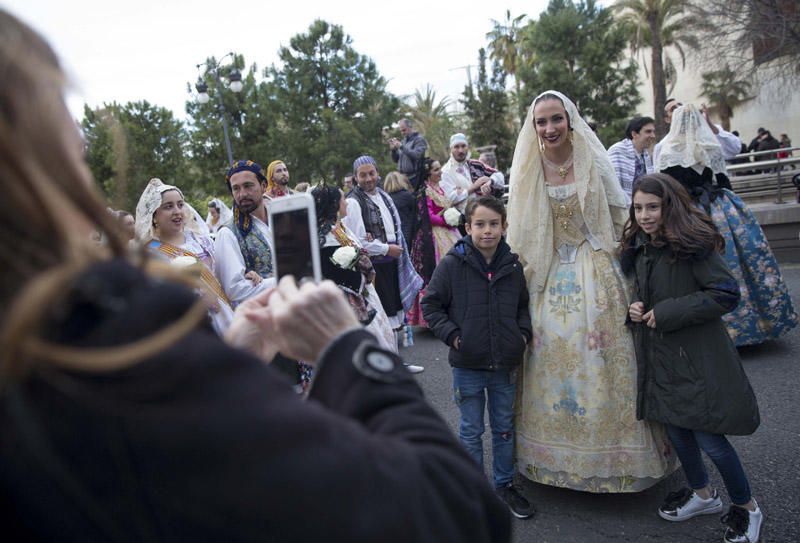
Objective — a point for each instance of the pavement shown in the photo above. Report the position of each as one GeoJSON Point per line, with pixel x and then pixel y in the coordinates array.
{"type": "Point", "coordinates": [771, 457]}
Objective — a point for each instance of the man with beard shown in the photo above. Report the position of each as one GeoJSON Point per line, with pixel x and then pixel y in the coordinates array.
{"type": "Point", "coordinates": [374, 220]}
{"type": "Point", "coordinates": [631, 156]}
{"type": "Point", "coordinates": [463, 178]}
{"type": "Point", "coordinates": [243, 250]}
{"type": "Point", "coordinates": [277, 180]}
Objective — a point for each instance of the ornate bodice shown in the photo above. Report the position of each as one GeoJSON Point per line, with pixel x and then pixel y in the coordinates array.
{"type": "Point", "coordinates": [569, 229]}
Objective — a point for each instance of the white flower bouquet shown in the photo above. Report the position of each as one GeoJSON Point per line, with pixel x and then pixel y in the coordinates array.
{"type": "Point", "coordinates": [183, 261]}
{"type": "Point", "coordinates": [452, 216]}
{"type": "Point", "coordinates": [345, 257]}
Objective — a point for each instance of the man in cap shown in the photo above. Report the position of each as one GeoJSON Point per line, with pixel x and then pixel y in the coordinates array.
{"type": "Point", "coordinates": [410, 152]}
{"type": "Point", "coordinates": [373, 218]}
{"type": "Point", "coordinates": [463, 178]}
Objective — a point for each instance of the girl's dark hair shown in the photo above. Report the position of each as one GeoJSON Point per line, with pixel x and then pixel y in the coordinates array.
{"type": "Point", "coordinates": [687, 230]}
{"type": "Point", "coordinates": [487, 201]}
{"type": "Point", "coordinates": [213, 204]}
{"type": "Point", "coordinates": [326, 203]}
{"type": "Point", "coordinates": [427, 165]}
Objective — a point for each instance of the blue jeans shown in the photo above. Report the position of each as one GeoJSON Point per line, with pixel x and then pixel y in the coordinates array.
{"type": "Point", "coordinates": [471, 388]}
{"type": "Point", "coordinates": [687, 445]}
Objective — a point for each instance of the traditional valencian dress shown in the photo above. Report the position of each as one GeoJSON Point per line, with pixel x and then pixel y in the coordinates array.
{"type": "Point", "coordinates": [196, 245]}
{"type": "Point", "coordinates": [201, 248]}
{"type": "Point", "coordinates": [357, 285]}
{"type": "Point", "coordinates": [444, 237]}
{"type": "Point", "coordinates": [691, 154]}
{"type": "Point", "coordinates": [576, 422]}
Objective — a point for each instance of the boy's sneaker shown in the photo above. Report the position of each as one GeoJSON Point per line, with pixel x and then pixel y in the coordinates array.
{"type": "Point", "coordinates": [413, 368]}
{"type": "Point", "coordinates": [685, 504]}
{"type": "Point", "coordinates": [518, 504]}
{"type": "Point", "coordinates": [743, 526]}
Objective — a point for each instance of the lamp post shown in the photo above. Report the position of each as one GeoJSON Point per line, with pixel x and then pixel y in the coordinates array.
{"type": "Point", "coordinates": [235, 84]}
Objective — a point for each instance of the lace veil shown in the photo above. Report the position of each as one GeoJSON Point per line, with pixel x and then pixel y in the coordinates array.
{"type": "Point", "coordinates": [150, 201]}
{"type": "Point", "coordinates": [225, 213]}
{"type": "Point", "coordinates": [690, 143]}
{"type": "Point", "coordinates": [530, 222]}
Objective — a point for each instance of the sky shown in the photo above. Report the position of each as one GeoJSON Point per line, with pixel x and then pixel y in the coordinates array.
{"type": "Point", "coordinates": [148, 50]}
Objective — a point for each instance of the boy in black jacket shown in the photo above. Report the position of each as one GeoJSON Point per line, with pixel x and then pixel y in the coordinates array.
{"type": "Point", "coordinates": [477, 303]}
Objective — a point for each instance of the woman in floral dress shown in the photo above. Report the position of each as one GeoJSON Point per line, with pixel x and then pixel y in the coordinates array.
{"type": "Point", "coordinates": [691, 154]}
{"type": "Point", "coordinates": [576, 424]}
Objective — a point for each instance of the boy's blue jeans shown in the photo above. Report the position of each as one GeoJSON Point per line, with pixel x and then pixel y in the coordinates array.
{"type": "Point", "coordinates": [688, 444]}
{"type": "Point", "coordinates": [471, 389]}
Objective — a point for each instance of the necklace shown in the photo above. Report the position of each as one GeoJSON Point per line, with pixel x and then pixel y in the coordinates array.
{"type": "Point", "coordinates": [562, 169]}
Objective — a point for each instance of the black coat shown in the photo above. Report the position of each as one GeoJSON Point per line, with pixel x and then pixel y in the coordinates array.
{"type": "Point", "coordinates": [206, 443]}
{"type": "Point", "coordinates": [490, 315]}
{"type": "Point", "coordinates": [689, 372]}
{"type": "Point", "coordinates": [406, 207]}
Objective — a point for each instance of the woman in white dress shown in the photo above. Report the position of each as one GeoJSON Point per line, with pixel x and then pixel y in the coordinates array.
{"type": "Point", "coordinates": [218, 214]}
{"type": "Point", "coordinates": [164, 224]}
{"type": "Point", "coordinates": [576, 424]}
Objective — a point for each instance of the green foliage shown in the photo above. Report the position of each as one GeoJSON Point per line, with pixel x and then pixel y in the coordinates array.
{"type": "Point", "coordinates": [663, 27]}
{"type": "Point", "coordinates": [725, 90]}
{"type": "Point", "coordinates": [251, 116]}
{"type": "Point", "coordinates": [487, 108]}
{"type": "Point", "coordinates": [504, 41]}
{"type": "Point", "coordinates": [332, 103]}
{"type": "Point", "coordinates": [432, 120]}
{"type": "Point", "coordinates": [577, 49]}
{"type": "Point", "coordinates": [129, 144]}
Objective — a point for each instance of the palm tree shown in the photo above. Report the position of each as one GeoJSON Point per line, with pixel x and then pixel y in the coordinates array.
{"type": "Point", "coordinates": [724, 91]}
{"type": "Point", "coordinates": [659, 25]}
{"type": "Point", "coordinates": [504, 46]}
{"type": "Point", "coordinates": [433, 120]}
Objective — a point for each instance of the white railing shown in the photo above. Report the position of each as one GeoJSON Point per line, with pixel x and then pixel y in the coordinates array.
{"type": "Point", "coordinates": [769, 167]}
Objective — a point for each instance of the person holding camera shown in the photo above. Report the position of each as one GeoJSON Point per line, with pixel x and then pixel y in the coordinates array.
{"type": "Point", "coordinates": [410, 152]}
{"type": "Point", "coordinates": [124, 418]}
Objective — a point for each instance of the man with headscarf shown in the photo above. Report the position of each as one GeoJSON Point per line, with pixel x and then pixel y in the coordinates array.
{"type": "Point", "coordinates": [277, 180]}
{"type": "Point", "coordinates": [373, 218]}
{"type": "Point", "coordinates": [463, 178]}
{"type": "Point", "coordinates": [243, 244]}
{"type": "Point", "coordinates": [410, 152]}
{"type": "Point", "coordinates": [731, 145]}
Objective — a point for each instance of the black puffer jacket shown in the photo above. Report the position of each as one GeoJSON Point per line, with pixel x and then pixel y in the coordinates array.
{"type": "Point", "coordinates": [488, 312]}
{"type": "Point", "coordinates": [689, 374]}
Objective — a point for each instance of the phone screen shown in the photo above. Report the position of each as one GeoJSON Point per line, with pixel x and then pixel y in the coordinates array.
{"type": "Point", "coordinates": [292, 244]}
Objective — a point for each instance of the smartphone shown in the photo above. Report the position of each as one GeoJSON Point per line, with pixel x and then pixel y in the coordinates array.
{"type": "Point", "coordinates": [293, 222]}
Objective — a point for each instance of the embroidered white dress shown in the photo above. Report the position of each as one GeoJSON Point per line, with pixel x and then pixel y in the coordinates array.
{"type": "Point", "coordinates": [576, 424]}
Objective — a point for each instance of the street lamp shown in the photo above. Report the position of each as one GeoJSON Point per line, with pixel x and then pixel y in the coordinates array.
{"type": "Point", "coordinates": [234, 83]}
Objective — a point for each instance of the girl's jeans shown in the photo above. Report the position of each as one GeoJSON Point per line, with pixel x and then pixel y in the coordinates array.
{"type": "Point", "coordinates": [688, 444]}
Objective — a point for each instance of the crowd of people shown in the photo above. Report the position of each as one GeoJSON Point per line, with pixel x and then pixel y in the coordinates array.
{"type": "Point", "coordinates": [597, 315]}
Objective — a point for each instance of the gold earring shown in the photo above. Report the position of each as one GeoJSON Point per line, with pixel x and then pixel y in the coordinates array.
{"type": "Point", "coordinates": [571, 136]}
{"type": "Point", "coordinates": [541, 144]}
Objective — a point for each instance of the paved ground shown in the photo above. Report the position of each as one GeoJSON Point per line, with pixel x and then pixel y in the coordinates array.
{"type": "Point", "coordinates": [771, 457]}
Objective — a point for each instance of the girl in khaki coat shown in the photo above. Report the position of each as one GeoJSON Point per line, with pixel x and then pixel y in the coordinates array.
{"type": "Point", "coordinates": [690, 377]}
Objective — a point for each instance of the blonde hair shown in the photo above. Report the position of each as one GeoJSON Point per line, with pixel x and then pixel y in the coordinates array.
{"type": "Point", "coordinates": [396, 181]}
{"type": "Point", "coordinates": [49, 202]}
